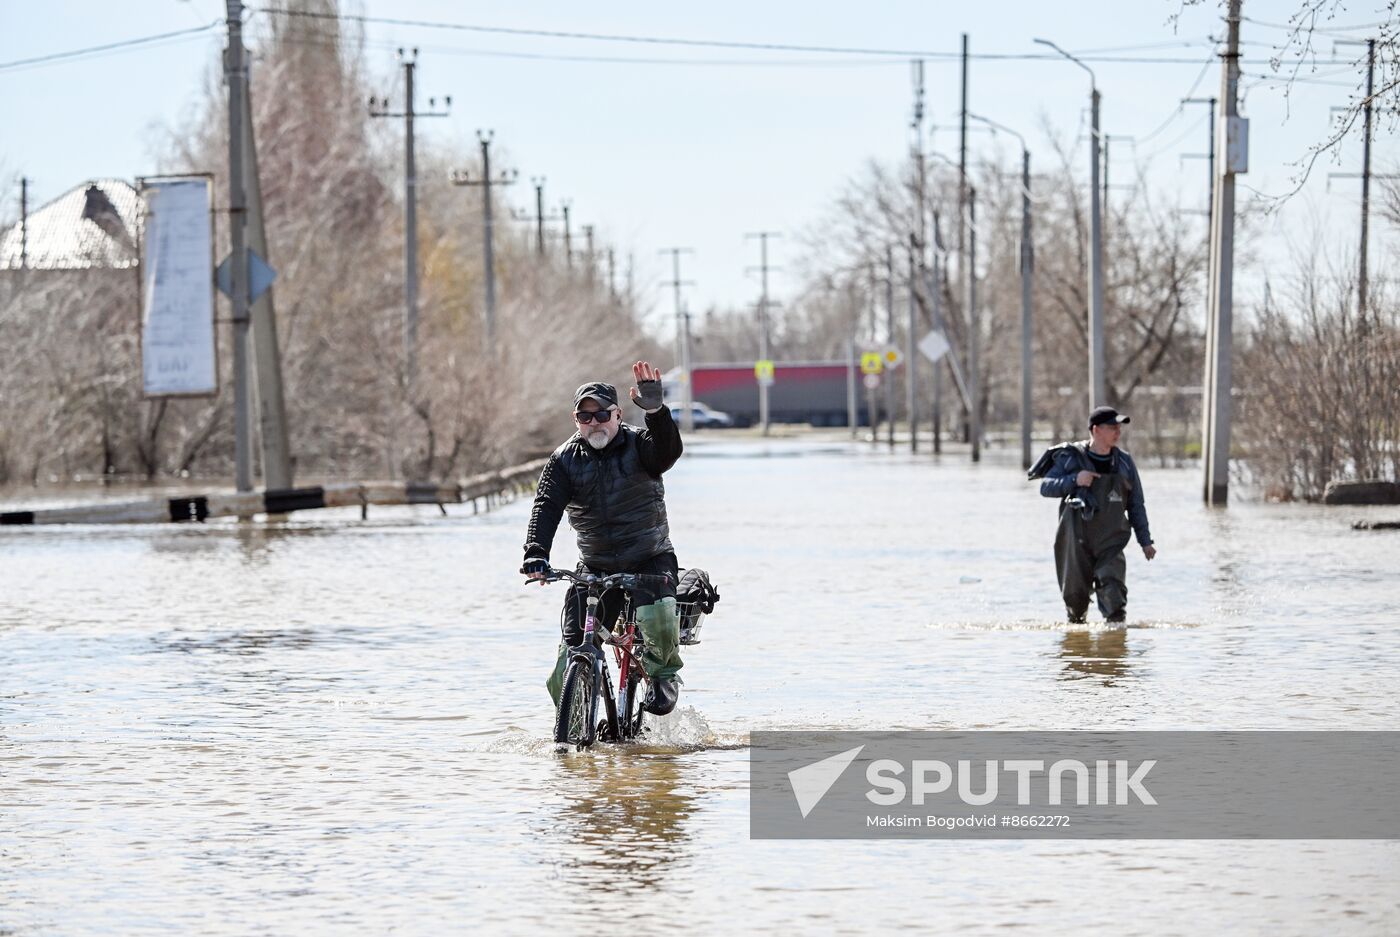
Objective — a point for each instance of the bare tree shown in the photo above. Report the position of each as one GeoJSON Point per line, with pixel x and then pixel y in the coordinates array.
{"type": "Point", "coordinates": [331, 181]}
{"type": "Point", "coordinates": [1323, 401]}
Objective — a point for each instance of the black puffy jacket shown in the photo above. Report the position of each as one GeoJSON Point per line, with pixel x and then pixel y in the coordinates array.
{"type": "Point", "coordinates": [614, 496]}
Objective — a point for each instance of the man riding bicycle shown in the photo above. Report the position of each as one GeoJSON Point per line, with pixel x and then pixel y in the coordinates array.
{"type": "Point", "coordinates": [607, 476]}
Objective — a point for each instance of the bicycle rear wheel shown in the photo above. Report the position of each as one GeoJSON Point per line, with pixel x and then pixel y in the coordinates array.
{"type": "Point", "coordinates": [576, 722]}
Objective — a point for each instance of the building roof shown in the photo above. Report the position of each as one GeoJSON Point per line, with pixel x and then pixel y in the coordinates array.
{"type": "Point", "coordinates": [93, 225]}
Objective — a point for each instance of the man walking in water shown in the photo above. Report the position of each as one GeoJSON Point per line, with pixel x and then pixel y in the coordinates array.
{"type": "Point", "coordinates": [607, 476]}
{"type": "Point", "coordinates": [1101, 507]}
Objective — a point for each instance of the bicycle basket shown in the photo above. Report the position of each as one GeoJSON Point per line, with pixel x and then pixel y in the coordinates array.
{"type": "Point", "coordinates": [691, 620]}
{"type": "Point", "coordinates": [695, 598]}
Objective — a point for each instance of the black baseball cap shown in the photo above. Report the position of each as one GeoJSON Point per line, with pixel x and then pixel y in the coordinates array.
{"type": "Point", "coordinates": [601, 391]}
{"type": "Point", "coordinates": [1103, 415]}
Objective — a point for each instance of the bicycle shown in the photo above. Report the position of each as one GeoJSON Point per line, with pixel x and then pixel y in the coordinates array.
{"type": "Point", "coordinates": [587, 678]}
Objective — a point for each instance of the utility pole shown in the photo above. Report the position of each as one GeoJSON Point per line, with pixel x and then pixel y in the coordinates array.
{"type": "Point", "coordinates": [963, 261]}
{"type": "Point", "coordinates": [568, 235]}
{"type": "Point", "coordinates": [962, 158]}
{"type": "Point", "coordinates": [920, 174]}
{"type": "Point", "coordinates": [266, 353]}
{"type": "Point", "coordinates": [889, 340]}
{"type": "Point", "coordinates": [936, 289]}
{"type": "Point", "coordinates": [1363, 279]}
{"type": "Point", "coordinates": [1366, 175]}
{"type": "Point", "coordinates": [917, 254]}
{"type": "Point", "coordinates": [1097, 383]}
{"type": "Point", "coordinates": [612, 276]}
{"type": "Point", "coordinates": [539, 214]}
{"type": "Point", "coordinates": [763, 336]}
{"type": "Point", "coordinates": [23, 222]}
{"type": "Point", "coordinates": [1361, 283]}
{"type": "Point", "coordinates": [506, 177]}
{"type": "Point", "coordinates": [871, 408]}
{"type": "Point", "coordinates": [1027, 275]}
{"type": "Point", "coordinates": [237, 211]}
{"type": "Point", "coordinates": [588, 251]}
{"type": "Point", "coordinates": [539, 218]}
{"type": "Point", "coordinates": [974, 327]}
{"type": "Point", "coordinates": [682, 335]}
{"type": "Point", "coordinates": [379, 107]}
{"type": "Point", "coordinates": [911, 390]}
{"type": "Point", "coordinates": [1215, 450]}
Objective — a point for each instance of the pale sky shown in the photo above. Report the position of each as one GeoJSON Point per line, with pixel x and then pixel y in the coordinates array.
{"type": "Point", "coordinates": [668, 145]}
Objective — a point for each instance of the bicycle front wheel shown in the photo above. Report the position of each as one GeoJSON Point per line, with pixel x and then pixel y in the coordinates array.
{"type": "Point", "coordinates": [576, 722]}
{"type": "Point", "coordinates": [631, 720]}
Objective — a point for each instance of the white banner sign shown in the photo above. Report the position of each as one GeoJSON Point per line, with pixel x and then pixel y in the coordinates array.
{"type": "Point", "coordinates": [177, 324]}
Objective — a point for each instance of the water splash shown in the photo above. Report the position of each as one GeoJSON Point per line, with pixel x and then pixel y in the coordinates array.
{"type": "Point", "coordinates": [684, 729]}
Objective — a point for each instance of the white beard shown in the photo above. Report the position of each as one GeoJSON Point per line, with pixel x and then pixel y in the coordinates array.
{"type": "Point", "coordinates": [597, 439]}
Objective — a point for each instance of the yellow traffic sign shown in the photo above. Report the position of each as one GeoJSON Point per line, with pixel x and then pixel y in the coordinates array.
{"type": "Point", "coordinates": [764, 371]}
{"type": "Point", "coordinates": [871, 362]}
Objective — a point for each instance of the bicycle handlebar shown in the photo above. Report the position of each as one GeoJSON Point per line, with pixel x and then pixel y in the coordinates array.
{"type": "Point", "coordinates": [627, 581]}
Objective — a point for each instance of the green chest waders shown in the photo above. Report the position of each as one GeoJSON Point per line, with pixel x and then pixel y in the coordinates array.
{"type": "Point", "coordinates": [1089, 553]}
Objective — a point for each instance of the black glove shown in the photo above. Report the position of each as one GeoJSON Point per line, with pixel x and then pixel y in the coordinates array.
{"type": "Point", "coordinates": [535, 566]}
{"type": "Point", "coordinates": [648, 395]}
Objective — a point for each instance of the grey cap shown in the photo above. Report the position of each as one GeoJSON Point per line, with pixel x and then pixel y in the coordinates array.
{"type": "Point", "coordinates": [601, 391]}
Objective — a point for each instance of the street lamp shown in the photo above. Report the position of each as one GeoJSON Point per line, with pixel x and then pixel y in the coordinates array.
{"type": "Point", "coordinates": [1097, 391]}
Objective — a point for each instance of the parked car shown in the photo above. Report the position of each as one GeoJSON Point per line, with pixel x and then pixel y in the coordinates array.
{"type": "Point", "coordinates": [704, 417]}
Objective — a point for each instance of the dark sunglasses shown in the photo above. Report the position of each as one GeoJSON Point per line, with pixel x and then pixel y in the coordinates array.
{"type": "Point", "coordinates": [585, 416]}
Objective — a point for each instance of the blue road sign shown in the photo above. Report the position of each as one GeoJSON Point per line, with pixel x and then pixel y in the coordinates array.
{"type": "Point", "coordinates": [260, 276]}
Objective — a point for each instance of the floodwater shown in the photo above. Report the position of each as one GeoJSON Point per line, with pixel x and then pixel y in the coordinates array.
{"type": "Point", "coordinates": [337, 726]}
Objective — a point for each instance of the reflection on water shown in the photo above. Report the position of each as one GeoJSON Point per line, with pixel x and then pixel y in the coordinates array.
{"type": "Point", "coordinates": [1102, 654]}
{"type": "Point", "coordinates": [625, 822]}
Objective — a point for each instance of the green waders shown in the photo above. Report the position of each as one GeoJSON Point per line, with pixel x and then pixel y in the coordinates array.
{"type": "Point", "coordinates": [555, 683]}
{"type": "Point", "coordinates": [661, 629]}
{"type": "Point", "coordinates": [661, 658]}
{"type": "Point", "coordinates": [1089, 553]}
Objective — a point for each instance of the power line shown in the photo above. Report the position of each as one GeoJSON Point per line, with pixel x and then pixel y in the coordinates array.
{"type": "Point", "coordinates": [1177, 113]}
{"type": "Point", "coordinates": [1195, 126]}
{"type": "Point", "coordinates": [881, 62]}
{"type": "Point", "coordinates": [724, 44]}
{"type": "Point", "coordinates": [1325, 30]}
{"type": "Point", "coordinates": [108, 47]}
{"type": "Point", "coordinates": [1095, 55]}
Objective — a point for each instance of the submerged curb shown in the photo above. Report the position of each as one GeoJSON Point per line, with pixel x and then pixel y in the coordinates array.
{"type": "Point", "coordinates": [487, 486]}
